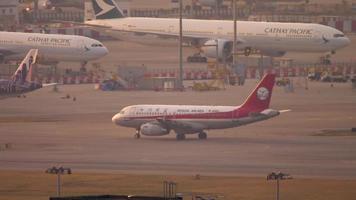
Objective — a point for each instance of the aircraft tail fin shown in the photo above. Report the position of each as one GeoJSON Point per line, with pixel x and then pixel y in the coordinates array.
{"type": "Point", "coordinates": [24, 71]}
{"type": "Point", "coordinates": [102, 9]}
{"type": "Point", "coordinates": [260, 98]}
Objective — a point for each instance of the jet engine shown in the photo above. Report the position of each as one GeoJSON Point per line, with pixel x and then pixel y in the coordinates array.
{"type": "Point", "coordinates": [151, 129]}
{"type": "Point", "coordinates": [224, 48]}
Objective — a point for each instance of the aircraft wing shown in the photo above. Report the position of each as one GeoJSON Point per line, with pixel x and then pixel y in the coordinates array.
{"type": "Point", "coordinates": [112, 32]}
{"type": "Point", "coordinates": [180, 126]}
{"type": "Point", "coordinates": [81, 24]}
{"type": "Point", "coordinates": [50, 84]}
{"type": "Point", "coordinates": [116, 33]}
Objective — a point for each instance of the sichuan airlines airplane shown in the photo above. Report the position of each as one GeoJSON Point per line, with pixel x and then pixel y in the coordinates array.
{"type": "Point", "coordinates": [270, 38]}
{"type": "Point", "coordinates": [51, 47]}
{"type": "Point", "coordinates": [21, 82]}
{"type": "Point", "coordinates": [158, 120]}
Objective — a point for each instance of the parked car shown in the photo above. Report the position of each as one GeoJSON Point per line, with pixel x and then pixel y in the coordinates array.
{"type": "Point", "coordinates": [197, 58]}
{"type": "Point", "coordinates": [283, 82]}
{"type": "Point", "coordinates": [337, 78]}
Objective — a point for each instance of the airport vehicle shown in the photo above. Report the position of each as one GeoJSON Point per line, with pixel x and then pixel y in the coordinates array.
{"type": "Point", "coordinates": [197, 58]}
{"type": "Point", "coordinates": [270, 38]}
{"type": "Point", "coordinates": [334, 78]}
{"type": "Point", "coordinates": [21, 82]}
{"type": "Point", "coordinates": [283, 82]}
{"type": "Point", "coordinates": [52, 48]}
{"type": "Point", "coordinates": [110, 85]}
{"type": "Point", "coordinates": [158, 120]}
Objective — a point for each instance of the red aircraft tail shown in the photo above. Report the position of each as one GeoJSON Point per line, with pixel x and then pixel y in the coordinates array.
{"type": "Point", "coordinates": [260, 98]}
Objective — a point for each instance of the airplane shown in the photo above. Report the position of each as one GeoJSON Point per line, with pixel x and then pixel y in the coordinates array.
{"type": "Point", "coordinates": [270, 38]}
{"type": "Point", "coordinates": [159, 120]}
{"type": "Point", "coordinates": [51, 47]}
{"type": "Point", "coordinates": [21, 82]}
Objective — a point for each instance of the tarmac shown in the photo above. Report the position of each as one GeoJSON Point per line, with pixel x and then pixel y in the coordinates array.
{"type": "Point", "coordinates": [44, 129]}
{"type": "Point", "coordinates": [311, 141]}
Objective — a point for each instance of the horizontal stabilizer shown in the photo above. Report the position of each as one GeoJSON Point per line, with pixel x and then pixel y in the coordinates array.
{"type": "Point", "coordinates": [49, 84]}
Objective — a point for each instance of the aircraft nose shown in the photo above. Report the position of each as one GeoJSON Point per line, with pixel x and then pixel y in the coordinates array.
{"type": "Point", "coordinates": [116, 119]}
{"type": "Point", "coordinates": [104, 51]}
{"type": "Point", "coordinates": [347, 41]}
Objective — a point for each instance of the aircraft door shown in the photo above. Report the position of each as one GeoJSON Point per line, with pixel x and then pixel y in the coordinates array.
{"type": "Point", "coordinates": [83, 47]}
{"type": "Point", "coordinates": [320, 38]}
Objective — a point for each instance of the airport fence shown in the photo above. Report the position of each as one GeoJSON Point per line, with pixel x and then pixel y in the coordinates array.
{"type": "Point", "coordinates": [253, 72]}
{"type": "Point", "coordinates": [201, 74]}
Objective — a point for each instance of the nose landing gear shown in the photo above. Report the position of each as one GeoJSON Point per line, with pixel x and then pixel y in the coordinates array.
{"type": "Point", "coordinates": [137, 134]}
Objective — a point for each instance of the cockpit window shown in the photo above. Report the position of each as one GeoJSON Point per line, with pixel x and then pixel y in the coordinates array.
{"type": "Point", "coordinates": [96, 45]}
{"type": "Point", "coordinates": [339, 35]}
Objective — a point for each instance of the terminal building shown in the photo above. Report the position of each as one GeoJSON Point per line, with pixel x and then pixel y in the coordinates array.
{"type": "Point", "coordinates": [9, 15]}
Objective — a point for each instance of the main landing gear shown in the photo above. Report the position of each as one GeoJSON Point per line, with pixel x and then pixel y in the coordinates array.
{"type": "Point", "coordinates": [202, 135]}
{"type": "Point", "coordinates": [137, 134]}
{"type": "Point", "coordinates": [180, 136]}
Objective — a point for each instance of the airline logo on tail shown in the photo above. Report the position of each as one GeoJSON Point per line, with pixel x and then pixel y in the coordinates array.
{"type": "Point", "coordinates": [262, 93]}
{"type": "Point", "coordinates": [106, 9]}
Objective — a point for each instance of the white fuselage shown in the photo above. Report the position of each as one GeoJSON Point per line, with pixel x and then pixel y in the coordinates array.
{"type": "Point", "coordinates": [260, 35]}
{"type": "Point", "coordinates": [203, 117]}
{"type": "Point", "coordinates": [51, 47]}
{"type": "Point", "coordinates": [135, 116]}
{"type": "Point", "coordinates": [158, 120]}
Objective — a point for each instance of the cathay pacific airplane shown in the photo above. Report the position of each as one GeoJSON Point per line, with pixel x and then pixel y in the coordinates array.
{"type": "Point", "coordinates": [51, 47]}
{"type": "Point", "coordinates": [158, 120]}
{"type": "Point", "coordinates": [22, 80]}
{"type": "Point", "coordinates": [270, 38]}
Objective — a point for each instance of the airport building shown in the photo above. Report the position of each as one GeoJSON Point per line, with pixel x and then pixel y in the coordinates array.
{"type": "Point", "coordinates": [9, 13]}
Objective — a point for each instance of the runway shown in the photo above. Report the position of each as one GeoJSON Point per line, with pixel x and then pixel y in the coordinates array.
{"type": "Point", "coordinates": [45, 130]}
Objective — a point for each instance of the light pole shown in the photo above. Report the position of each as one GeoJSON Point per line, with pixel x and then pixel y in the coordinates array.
{"type": "Point", "coordinates": [181, 86]}
{"type": "Point", "coordinates": [217, 53]}
{"type": "Point", "coordinates": [278, 177]}
{"type": "Point", "coordinates": [234, 59]}
{"type": "Point", "coordinates": [59, 171]}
